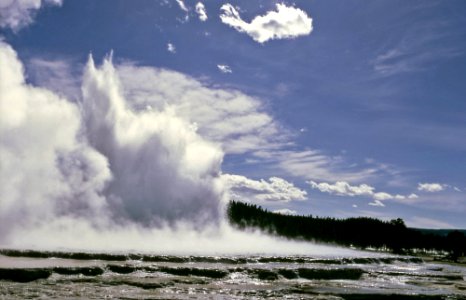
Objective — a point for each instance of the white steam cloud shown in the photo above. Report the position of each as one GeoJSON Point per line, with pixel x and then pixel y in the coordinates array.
{"type": "Point", "coordinates": [46, 168]}
{"type": "Point", "coordinates": [16, 14]}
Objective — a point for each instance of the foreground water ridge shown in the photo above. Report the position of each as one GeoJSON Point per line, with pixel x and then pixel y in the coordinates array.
{"type": "Point", "coordinates": [81, 275]}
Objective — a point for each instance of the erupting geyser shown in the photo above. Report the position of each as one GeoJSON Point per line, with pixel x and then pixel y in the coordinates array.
{"type": "Point", "coordinates": [163, 171]}
{"type": "Point", "coordinates": [102, 175]}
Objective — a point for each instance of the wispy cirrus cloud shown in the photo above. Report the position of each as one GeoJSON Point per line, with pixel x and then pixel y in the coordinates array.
{"type": "Point", "coordinates": [285, 23]}
{"type": "Point", "coordinates": [314, 164]}
{"type": "Point", "coordinates": [422, 44]}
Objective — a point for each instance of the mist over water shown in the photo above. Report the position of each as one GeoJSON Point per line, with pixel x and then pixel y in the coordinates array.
{"type": "Point", "coordinates": [98, 175]}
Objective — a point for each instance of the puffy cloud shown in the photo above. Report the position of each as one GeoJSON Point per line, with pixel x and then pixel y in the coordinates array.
{"type": "Point", "coordinates": [224, 68]}
{"type": "Point", "coordinates": [284, 23]}
{"type": "Point", "coordinates": [201, 11]}
{"type": "Point", "coordinates": [171, 48]}
{"type": "Point", "coordinates": [286, 211]}
{"type": "Point", "coordinates": [384, 196]}
{"type": "Point", "coordinates": [413, 196]}
{"type": "Point", "coordinates": [342, 188]}
{"type": "Point", "coordinates": [276, 189]}
{"type": "Point", "coordinates": [430, 187]}
{"type": "Point", "coordinates": [16, 14]}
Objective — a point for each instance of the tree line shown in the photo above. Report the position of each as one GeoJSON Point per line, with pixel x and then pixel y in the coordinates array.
{"type": "Point", "coordinates": [361, 232]}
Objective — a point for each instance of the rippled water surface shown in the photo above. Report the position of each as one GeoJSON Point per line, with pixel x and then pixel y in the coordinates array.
{"type": "Point", "coordinates": [46, 275]}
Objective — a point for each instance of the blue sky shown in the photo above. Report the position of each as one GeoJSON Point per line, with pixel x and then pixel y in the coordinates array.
{"type": "Point", "coordinates": [362, 114]}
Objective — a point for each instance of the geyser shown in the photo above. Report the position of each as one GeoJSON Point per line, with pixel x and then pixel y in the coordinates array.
{"type": "Point", "coordinates": [103, 175]}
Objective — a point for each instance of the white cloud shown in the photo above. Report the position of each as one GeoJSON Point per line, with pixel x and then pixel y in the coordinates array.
{"type": "Point", "coordinates": [342, 188]}
{"type": "Point", "coordinates": [382, 196]}
{"type": "Point", "coordinates": [171, 48]}
{"type": "Point", "coordinates": [430, 187]}
{"type": "Point", "coordinates": [201, 11]}
{"type": "Point", "coordinates": [413, 196]}
{"type": "Point", "coordinates": [224, 68]}
{"type": "Point", "coordinates": [16, 14]}
{"type": "Point", "coordinates": [284, 23]}
{"type": "Point", "coordinates": [286, 211]}
{"type": "Point", "coordinates": [276, 189]}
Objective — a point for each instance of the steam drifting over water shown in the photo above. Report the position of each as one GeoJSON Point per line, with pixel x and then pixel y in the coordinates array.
{"type": "Point", "coordinates": [101, 175]}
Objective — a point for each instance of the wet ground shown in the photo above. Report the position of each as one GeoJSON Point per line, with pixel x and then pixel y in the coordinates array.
{"type": "Point", "coordinates": [59, 275]}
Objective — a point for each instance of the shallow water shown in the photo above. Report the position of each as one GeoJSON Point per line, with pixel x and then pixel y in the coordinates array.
{"type": "Point", "coordinates": [58, 275]}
